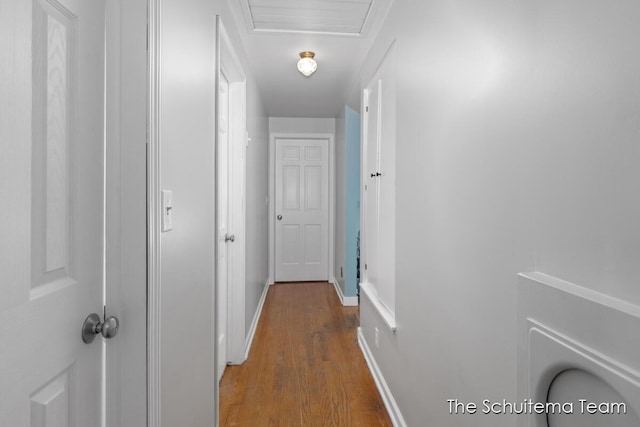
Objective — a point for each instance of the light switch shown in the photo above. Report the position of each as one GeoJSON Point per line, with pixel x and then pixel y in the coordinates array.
{"type": "Point", "coordinates": [167, 210]}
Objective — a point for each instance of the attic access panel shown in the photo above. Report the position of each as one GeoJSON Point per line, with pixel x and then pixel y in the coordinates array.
{"type": "Point", "coordinates": [346, 17]}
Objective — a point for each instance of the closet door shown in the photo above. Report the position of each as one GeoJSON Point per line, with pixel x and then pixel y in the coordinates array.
{"type": "Point", "coordinates": [371, 193]}
{"type": "Point", "coordinates": [379, 192]}
{"type": "Point", "coordinates": [387, 183]}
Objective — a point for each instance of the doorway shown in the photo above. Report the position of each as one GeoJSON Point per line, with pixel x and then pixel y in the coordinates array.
{"type": "Point", "coordinates": [302, 209]}
{"type": "Point", "coordinates": [231, 144]}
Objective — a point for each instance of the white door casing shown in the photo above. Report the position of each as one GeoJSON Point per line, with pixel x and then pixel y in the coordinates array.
{"type": "Point", "coordinates": [51, 179]}
{"type": "Point", "coordinates": [301, 209]}
{"type": "Point", "coordinates": [371, 168]}
{"type": "Point", "coordinates": [229, 64]}
{"type": "Point", "coordinates": [230, 74]}
{"type": "Point", "coordinates": [378, 190]}
{"type": "Point", "coordinates": [126, 211]}
{"type": "Point", "coordinates": [222, 218]}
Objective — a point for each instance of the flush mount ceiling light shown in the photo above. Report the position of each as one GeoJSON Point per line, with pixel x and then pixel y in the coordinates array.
{"type": "Point", "coordinates": [307, 65]}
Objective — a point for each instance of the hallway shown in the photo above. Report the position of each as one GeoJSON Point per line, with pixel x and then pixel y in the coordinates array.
{"type": "Point", "coordinates": [478, 182]}
{"type": "Point", "coordinates": [305, 367]}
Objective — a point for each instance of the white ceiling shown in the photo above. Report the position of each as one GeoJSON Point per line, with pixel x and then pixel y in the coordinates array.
{"type": "Point", "coordinates": [274, 32]}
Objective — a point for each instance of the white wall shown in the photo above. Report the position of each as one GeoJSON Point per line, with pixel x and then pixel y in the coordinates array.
{"type": "Point", "coordinates": [301, 125]}
{"type": "Point", "coordinates": [257, 231]}
{"type": "Point", "coordinates": [187, 168]}
{"type": "Point", "coordinates": [187, 153]}
{"type": "Point", "coordinates": [517, 150]}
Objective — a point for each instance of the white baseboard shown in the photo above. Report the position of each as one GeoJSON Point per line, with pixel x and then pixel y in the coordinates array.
{"type": "Point", "coordinates": [389, 402]}
{"type": "Point", "coordinates": [256, 318]}
{"type": "Point", "coordinates": [345, 301]}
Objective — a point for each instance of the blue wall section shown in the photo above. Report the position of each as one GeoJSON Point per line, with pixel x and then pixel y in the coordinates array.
{"type": "Point", "coordinates": [352, 205]}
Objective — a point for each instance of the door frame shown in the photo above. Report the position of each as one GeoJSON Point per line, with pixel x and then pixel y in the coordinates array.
{"type": "Point", "coordinates": [154, 215]}
{"type": "Point", "coordinates": [272, 193]}
{"type": "Point", "coordinates": [126, 212]}
{"type": "Point", "coordinates": [227, 62]}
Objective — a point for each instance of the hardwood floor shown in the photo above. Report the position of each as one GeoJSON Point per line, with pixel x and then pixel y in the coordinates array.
{"type": "Point", "coordinates": [305, 367]}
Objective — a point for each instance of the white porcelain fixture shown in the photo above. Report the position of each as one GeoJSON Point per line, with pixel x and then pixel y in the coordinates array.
{"type": "Point", "coordinates": [306, 64]}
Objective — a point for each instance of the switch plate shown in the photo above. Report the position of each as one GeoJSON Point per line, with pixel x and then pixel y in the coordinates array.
{"type": "Point", "coordinates": [167, 210]}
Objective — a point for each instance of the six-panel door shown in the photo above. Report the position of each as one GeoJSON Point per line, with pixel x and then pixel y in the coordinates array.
{"type": "Point", "coordinates": [302, 214]}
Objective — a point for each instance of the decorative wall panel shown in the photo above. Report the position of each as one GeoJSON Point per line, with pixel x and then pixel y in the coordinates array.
{"type": "Point", "coordinates": [313, 154]}
{"type": "Point", "coordinates": [313, 249]}
{"type": "Point", "coordinates": [291, 188]}
{"type": "Point", "coordinates": [53, 65]}
{"type": "Point", "coordinates": [51, 405]}
{"type": "Point", "coordinates": [313, 188]}
{"type": "Point", "coordinates": [291, 243]}
{"type": "Point", "coordinates": [290, 153]}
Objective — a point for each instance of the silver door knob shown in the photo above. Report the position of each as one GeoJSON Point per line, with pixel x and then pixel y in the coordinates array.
{"type": "Point", "coordinates": [279, 217]}
{"type": "Point", "coordinates": [92, 326]}
{"type": "Point", "coordinates": [229, 238]}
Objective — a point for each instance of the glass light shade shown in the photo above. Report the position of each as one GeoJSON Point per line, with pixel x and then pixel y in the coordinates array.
{"type": "Point", "coordinates": [307, 65]}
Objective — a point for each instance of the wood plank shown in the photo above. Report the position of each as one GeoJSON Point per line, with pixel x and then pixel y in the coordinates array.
{"type": "Point", "coordinates": [305, 367]}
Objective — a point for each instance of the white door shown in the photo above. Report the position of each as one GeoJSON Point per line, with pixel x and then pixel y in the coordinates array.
{"type": "Point", "coordinates": [302, 209]}
{"type": "Point", "coordinates": [222, 221]}
{"type": "Point", "coordinates": [371, 179]}
{"type": "Point", "coordinates": [379, 165]}
{"type": "Point", "coordinates": [235, 138]}
{"type": "Point", "coordinates": [51, 221]}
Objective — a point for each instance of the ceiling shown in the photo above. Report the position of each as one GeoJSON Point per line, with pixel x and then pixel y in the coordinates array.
{"type": "Point", "coordinates": [274, 32]}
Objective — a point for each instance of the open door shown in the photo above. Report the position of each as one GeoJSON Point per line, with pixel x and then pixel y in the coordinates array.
{"type": "Point", "coordinates": [225, 238]}
{"type": "Point", "coordinates": [231, 145]}
{"type": "Point", "coordinates": [52, 185]}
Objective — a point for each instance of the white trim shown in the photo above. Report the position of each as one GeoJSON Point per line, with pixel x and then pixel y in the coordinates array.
{"type": "Point", "coordinates": [386, 314]}
{"type": "Point", "coordinates": [272, 194]}
{"type": "Point", "coordinates": [113, 362]}
{"type": "Point", "coordinates": [345, 301]}
{"type": "Point", "coordinates": [582, 292]}
{"type": "Point", "coordinates": [389, 402]}
{"type": "Point", "coordinates": [256, 319]}
{"type": "Point", "coordinates": [214, 302]}
{"type": "Point", "coordinates": [154, 302]}
{"type": "Point", "coordinates": [364, 124]}
{"type": "Point", "coordinates": [332, 205]}
{"type": "Point", "coordinates": [230, 65]}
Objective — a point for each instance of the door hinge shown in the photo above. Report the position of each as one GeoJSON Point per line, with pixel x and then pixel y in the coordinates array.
{"type": "Point", "coordinates": [365, 187]}
{"type": "Point", "coordinates": [365, 266]}
{"type": "Point", "coordinates": [367, 108]}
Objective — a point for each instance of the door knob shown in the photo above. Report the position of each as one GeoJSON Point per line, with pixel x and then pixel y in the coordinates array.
{"type": "Point", "coordinates": [279, 217]}
{"type": "Point", "coordinates": [229, 238]}
{"type": "Point", "coordinates": [92, 326]}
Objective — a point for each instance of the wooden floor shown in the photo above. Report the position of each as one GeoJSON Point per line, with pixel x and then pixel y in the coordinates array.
{"type": "Point", "coordinates": [305, 367]}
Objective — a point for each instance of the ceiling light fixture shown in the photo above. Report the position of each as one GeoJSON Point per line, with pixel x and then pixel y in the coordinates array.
{"type": "Point", "coordinates": [307, 65]}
